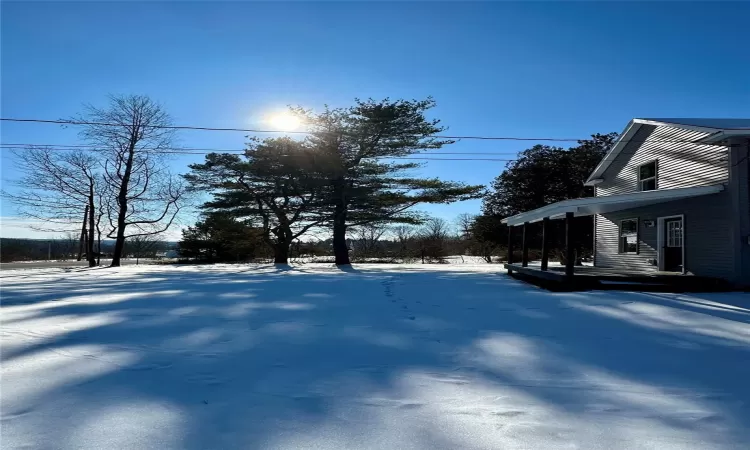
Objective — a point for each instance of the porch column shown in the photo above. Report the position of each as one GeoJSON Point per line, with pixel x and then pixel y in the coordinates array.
{"type": "Point", "coordinates": [569, 253]}
{"type": "Point", "coordinates": [545, 242]}
{"type": "Point", "coordinates": [525, 246]}
{"type": "Point", "coordinates": [510, 246]}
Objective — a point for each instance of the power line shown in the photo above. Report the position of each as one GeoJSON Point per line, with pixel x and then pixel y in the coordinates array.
{"type": "Point", "coordinates": [178, 152]}
{"type": "Point", "coordinates": [206, 151]}
{"type": "Point", "coordinates": [203, 151]}
{"type": "Point", "coordinates": [250, 130]}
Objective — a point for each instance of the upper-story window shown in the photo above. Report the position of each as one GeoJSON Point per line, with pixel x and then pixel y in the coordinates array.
{"type": "Point", "coordinates": [647, 176]}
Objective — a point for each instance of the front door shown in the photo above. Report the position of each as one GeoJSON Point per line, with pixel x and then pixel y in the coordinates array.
{"type": "Point", "coordinates": [673, 242]}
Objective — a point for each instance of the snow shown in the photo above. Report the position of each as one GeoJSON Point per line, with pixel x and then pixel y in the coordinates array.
{"type": "Point", "coordinates": [377, 356]}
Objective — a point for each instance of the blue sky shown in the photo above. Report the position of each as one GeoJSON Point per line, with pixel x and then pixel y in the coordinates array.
{"type": "Point", "coordinates": [500, 69]}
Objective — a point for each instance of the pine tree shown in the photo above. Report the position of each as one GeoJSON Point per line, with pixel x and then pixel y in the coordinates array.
{"type": "Point", "coordinates": [364, 185]}
{"type": "Point", "coordinates": [277, 183]}
{"type": "Point", "coordinates": [542, 175]}
{"type": "Point", "coordinates": [221, 237]}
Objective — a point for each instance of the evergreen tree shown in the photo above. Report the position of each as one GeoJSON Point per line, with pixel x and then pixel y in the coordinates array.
{"type": "Point", "coordinates": [542, 175]}
{"type": "Point", "coordinates": [278, 183]}
{"type": "Point", "coordinates": [221, 237]}
{"type": "Point", "coordinates": [364, 185]}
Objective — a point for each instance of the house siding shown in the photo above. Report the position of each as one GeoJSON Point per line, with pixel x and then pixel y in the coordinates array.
{"type": "Point", "coordinates": [744, 188]}
{"type": "Point", "coordinates": [708, 243]}
{"type": "Point", "coordinates": [739, 189]}
{"type": "Point", "coordinates": [680, 164]}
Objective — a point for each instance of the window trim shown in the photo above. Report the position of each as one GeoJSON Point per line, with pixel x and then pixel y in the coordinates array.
{"type": "Point", "coordinates": [655, 162]}
{"type": "Point", "coordinates": [620, 247]}
{"type": "Point", "coordinates": [660, 238]}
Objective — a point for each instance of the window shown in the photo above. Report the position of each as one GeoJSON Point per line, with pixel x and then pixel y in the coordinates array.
{"type": "Point", "coordinates": [647, 176]}
{"type": "Point", "coordinates": [674, 233]}
{"type": "Point", "coordinates": [629, 236]}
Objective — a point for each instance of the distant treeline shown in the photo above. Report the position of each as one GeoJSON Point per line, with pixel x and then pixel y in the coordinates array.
{"type": "Point", "coordinates": [64, 249]}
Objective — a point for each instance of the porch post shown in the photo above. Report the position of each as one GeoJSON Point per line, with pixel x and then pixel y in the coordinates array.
{"type": "Point", "coordinates": [569, 254]}
{"type": "Point", "coordinates": [525, 246]}
{"type": "Point", "coordinates": [545, 242]}
{"type": "Point", "coordinates": [510, 246]}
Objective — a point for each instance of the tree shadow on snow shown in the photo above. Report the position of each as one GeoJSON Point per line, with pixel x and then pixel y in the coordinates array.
{"type": "Point", "coordinates": [262, 356]}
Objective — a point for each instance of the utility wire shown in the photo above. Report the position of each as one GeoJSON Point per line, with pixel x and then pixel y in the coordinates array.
{"type": "Point", "coordinates": [428, 156]}
{"type": "Point", "coordinates": [203, 151]}
{"type": "Point", "coordinates": [177, 152]}
{"type": "Point", "coordinates": [249, 130]}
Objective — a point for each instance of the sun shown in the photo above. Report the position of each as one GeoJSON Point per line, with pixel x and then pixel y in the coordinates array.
{"type": "Point", "coordinates": [284, 121]}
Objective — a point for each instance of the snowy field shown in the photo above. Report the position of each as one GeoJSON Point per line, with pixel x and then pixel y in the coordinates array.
{"type": "Point", "coordinates": [379, 356]}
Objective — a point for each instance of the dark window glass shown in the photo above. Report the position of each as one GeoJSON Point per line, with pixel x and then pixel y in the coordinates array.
{"type": "Point", "coordinates": [647, 177]}
{"type": "Point", "coordinates": [648, 170]}
{"type": "Point", "coordinates": [629, 236]}
{"type": "Point", "coordinates": [648, 185]}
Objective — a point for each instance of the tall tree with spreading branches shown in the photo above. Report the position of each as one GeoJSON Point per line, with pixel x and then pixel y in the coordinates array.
{"type": "Point", "coordinates": [219, 237]}
{"type": "Point", "coordinates": [542, 175]}
{"type": "Point", "coordinates": [279, 183]}
{"type": "Point", "coordinates": [366, 185]}
{"type": "Point", "coordinates": [132, 136]}
{"type": "Point", "coordinates": [61, 191]}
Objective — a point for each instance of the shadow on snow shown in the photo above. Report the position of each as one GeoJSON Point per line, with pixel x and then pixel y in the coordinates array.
{"type": "Point", "coordinates": [255, 356]}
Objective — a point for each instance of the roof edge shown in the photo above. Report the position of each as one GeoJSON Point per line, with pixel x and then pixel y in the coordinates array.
{"type": "Point", "coordinates": [633, 126]}
{"type": "Point", "coordinates": [575, 205]}
{"type": "Point", "coordinates": [714, 134]}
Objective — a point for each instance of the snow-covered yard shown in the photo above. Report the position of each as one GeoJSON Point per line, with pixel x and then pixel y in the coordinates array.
{"type": "Point", "coordinates": [397, 357]}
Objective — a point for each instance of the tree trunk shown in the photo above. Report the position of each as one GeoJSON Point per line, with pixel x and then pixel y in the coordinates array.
{"type": "Point", "coordinates": [98, 248]}
{"type": "Point", "coordinates": [281, 252]}
{"type": "Point", "coordinates": [119, 243]}
{"type": "Point", "coordinates": [122, 203]}
{"type": "Point", "coordinates": [81, 243]}
{"type": "Point", "coordinates": [340, 250]}
{"type": "Point", "coordinates": [90, 244]}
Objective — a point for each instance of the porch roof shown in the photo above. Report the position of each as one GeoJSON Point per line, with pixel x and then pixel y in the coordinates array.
{"type": "Point", "coordinates": [610, 203]}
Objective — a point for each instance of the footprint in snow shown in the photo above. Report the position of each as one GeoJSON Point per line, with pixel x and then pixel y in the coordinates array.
{"type": "Point", "coordinates": [157, 365]}
{"type": "Point", "coordinates": [410, 405]}
{"type": "Point", "coordinates": [508, 413]}
{"type": "Point", "coordinates": [208, 379]}
{"type": "Point", "coordinates": [208, 355]}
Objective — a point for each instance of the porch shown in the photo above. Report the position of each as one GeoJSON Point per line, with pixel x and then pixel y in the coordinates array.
{"type": "Point", "coordinates": [571, 276]}
{"type": "Point", "coordinates": [589, 277]}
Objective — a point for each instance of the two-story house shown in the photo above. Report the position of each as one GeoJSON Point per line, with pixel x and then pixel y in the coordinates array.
{"type": "Point", "coordinates": [671, 196]}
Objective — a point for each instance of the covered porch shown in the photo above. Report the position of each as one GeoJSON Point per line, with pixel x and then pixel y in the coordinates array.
{"type": "Point", "coordinates": [569, 209]}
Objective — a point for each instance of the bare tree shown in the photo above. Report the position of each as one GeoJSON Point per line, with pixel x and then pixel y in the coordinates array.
{"type": "Point", "coordinates": [404, 235]}
{"type": "Point", "coordinates": [465, 239]}
{"type": "Point", "coordinates": [58, 189]}
{"type": "Point", "coordinates": [433, 237]}
{"type": "Point", "coordinates": [464, 222]}
{"type": "Point", "coordinates": [133, 135]}
{"type": "Point", "coordinates": [368, 239]}
{"type": "Point", "coordinates": [66, 245]}
{"type": "Point", "coordinates": [144, 246]}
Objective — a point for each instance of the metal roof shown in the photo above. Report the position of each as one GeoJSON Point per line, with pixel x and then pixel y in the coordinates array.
{"type": "Point", "coordinates": [716, 130]}
{"type": "Point", "coordinates": [609, 203]}
{"type": "Point", "coordinates": [718, 124]}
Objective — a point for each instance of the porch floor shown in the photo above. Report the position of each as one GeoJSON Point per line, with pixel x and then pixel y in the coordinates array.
{"type": "Point", "coordinates": [589, 277]}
